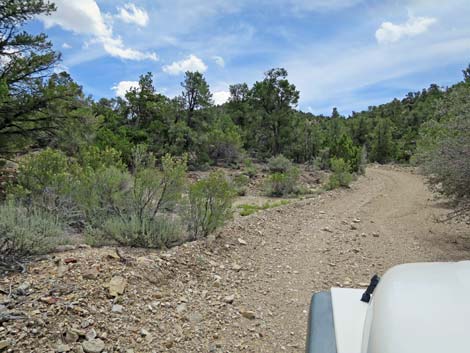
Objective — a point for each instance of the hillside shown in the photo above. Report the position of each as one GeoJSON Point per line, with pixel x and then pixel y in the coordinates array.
{"type": "Point", "coordinates": [246, 289]}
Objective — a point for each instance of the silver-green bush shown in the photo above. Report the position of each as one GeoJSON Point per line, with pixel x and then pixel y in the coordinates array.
{"type": "Point", "coordinates": [25, 232]}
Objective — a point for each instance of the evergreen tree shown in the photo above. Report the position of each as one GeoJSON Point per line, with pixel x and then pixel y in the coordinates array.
{"type": "Point", "coordinates": [25, 61]}
{"type": "Point", "coordinates": [383, 147]}
{"type": "Point", "coordinates": [275, 98]}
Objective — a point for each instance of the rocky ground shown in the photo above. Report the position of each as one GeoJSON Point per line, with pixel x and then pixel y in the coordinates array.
{"type": "Point", "coordinates": [245, 290]}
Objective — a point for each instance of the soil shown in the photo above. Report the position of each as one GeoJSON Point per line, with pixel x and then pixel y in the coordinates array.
{"type": "Point", "coordinates": [247, 289]}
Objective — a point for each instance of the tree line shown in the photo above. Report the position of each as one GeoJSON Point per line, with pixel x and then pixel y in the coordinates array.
{"type": "Point", "coordinates": [41, 109]}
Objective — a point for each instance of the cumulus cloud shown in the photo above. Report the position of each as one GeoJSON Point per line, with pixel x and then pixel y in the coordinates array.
{"type": "Point", "coordinates": [220, 97]}
{"type": "Point", "coordinates": [191, 63]}
{"type": "Point", "coordinates": [66, 45]}
{"type": "Point", "coordinates": [132, 14]}
{"type": "Point", "coordinates": [85, 17]}
{"type": "Point", "coordinates": [123, 87]}
{"type": "Point", "coordinates": [389, 32]}
{"type": "Point", "coordinates": [219, 60]}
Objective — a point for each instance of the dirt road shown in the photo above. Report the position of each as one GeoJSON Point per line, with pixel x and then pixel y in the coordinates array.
{"type": "Point", "coordinates": [248, 290]}
{"type": "Point", "coordinates": [341, 239]}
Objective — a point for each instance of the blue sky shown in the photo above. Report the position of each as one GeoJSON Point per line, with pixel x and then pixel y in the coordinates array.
{"type": "Point", "coordinates": [344, 53]}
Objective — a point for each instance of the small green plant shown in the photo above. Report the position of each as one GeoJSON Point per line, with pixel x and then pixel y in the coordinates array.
{"type": "Point", "coordinates": [283, 184]}
{"type": "Point", "coordinates": [240, 183]}
{"type": "Point", "coordinates": [250, 169]}
{"type": "Point", "coordinates": [210, 204]}
{"type": "Point", "coordinates": [134, 230]}
{"type": "Point", "coordinates": [25, 232]}
{"type": "Point", "coordinates": [248, 209]}
{"type": "Point", "coordinates": [341, 176]}
{"type": "Point", "coordinates": [322, 161]}
{"type": "Point", "coordinates": [279, 164]}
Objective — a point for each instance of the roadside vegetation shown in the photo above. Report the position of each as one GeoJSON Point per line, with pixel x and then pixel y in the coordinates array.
{"type": "Point", "coordinates": [115, 170]}
{"type": "Point", "coordinates": [249, 209]}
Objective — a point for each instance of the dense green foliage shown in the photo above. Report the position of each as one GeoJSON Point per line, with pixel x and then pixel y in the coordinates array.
{"type": "Point", "coordinates": [444, 146]}
{"type": "Point", "coordinates": [115, 168]}
{"type": "Point", "coordinates": [210, 202]}
{"type": "Point", "coordinates": [341, 174]}
{"type": "Point", "coordinates": [145, 206]}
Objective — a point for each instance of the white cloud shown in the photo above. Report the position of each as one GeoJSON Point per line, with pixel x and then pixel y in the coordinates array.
{"type": "Point", "coordinates": [122, 87]}
{"type": "Point", "coordinates": [219, 60]}
{"type": "Point", "coordinates": [60, 68]}
{"type": "Point", "coordinates": [84, 17]}
{"type": "Point", "coordinates": [352, 70]}
{"type": "Point", "coordinates": [390, 33]}
{"type": "Point", "coordinates": [66, 45]}
{"type": "Point", "coordinates": [191, 63]}
{"type": "Point", "coordinates": [220, 97]}
{"type": "Point", "coordinates": [132, 14]}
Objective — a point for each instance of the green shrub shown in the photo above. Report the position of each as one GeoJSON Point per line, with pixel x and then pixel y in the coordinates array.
{"type": "Point", "coordinates": [137, 209]}
{"type": "Point", "coordinates": [47, 180]}
{"type": "Point", "coordinates": [224, 147]}
{"type": "Point", "coordinates": [64, 186]}
{"type": "Point", "coordinates": [279, 164]}
{"type": "Point", "coordinates": [94, 158]}
{"type": "Point", "coordinates": [250, 169]}
{"type": "Point", "coordinates": [360, 161]}
{"type": "Point", "coordinates": [210, 204]}
{"type": "Point", "coordinates": [49, 170]}
{"type": "Point", "coordinates": [102, 194]}
{"type": "Point", "coordinates": [240, 183]}
{"type": "Point", "coordinates": [341, 176]}
{"type": "Point", "coordinates": [322, 161]}
{"type": "Point", "coordinates": [283, 184]}
{"type": "Point", "coordinates": [25, 232]}
{"type": "Point", "coordinates": [133, 230]}
{"type": "Point", "coordinates": [247, 209]}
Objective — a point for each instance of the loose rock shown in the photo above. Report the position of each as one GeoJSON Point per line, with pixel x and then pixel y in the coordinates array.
{"type": "Point", "coordinates": [117, 308]}
{"type": "Point", "coordinates": [117, 286]}
{"type": "Point", "coordinates": [91, 335]}
{"type": "Point", "coordinates": [4, 345]}
{"type": "Point", "coordinates": [62, 348]}
{"type": "Point", "coordinates": [242, 242]}
{"type": "Point", "coordinates": [248, 314]}
{"type": "Point", "coordinates": [93, 346]}
{"type": "Point", "coordinates": [229, 299]}
{"type": "Point", "coordinates": [70, 336]}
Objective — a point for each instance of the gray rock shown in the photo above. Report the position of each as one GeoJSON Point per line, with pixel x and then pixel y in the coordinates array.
{"type": "Point", "coordinates": [229, 299]}
{"type": "Point", "coordinates": [195, 317]}
{"type": "Point", "coordinates": [23, 288]}
{"type": "Point", "coordinates": [93, 346]}
{"type": "Point", "coordinates": [86, 323]}
{"type": "Point", "coordinates": [117, 308]}
{"type": "Point", "coordinates": [91, 334]}
{"type": "Point", "coordinates": [70, 336]}
{"type": "Point", "coordinates": [62, 348]}
{"type": "Point", "coordinates": [181, 308]}
{"type": "Point", "coordinates": [242, 242]}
